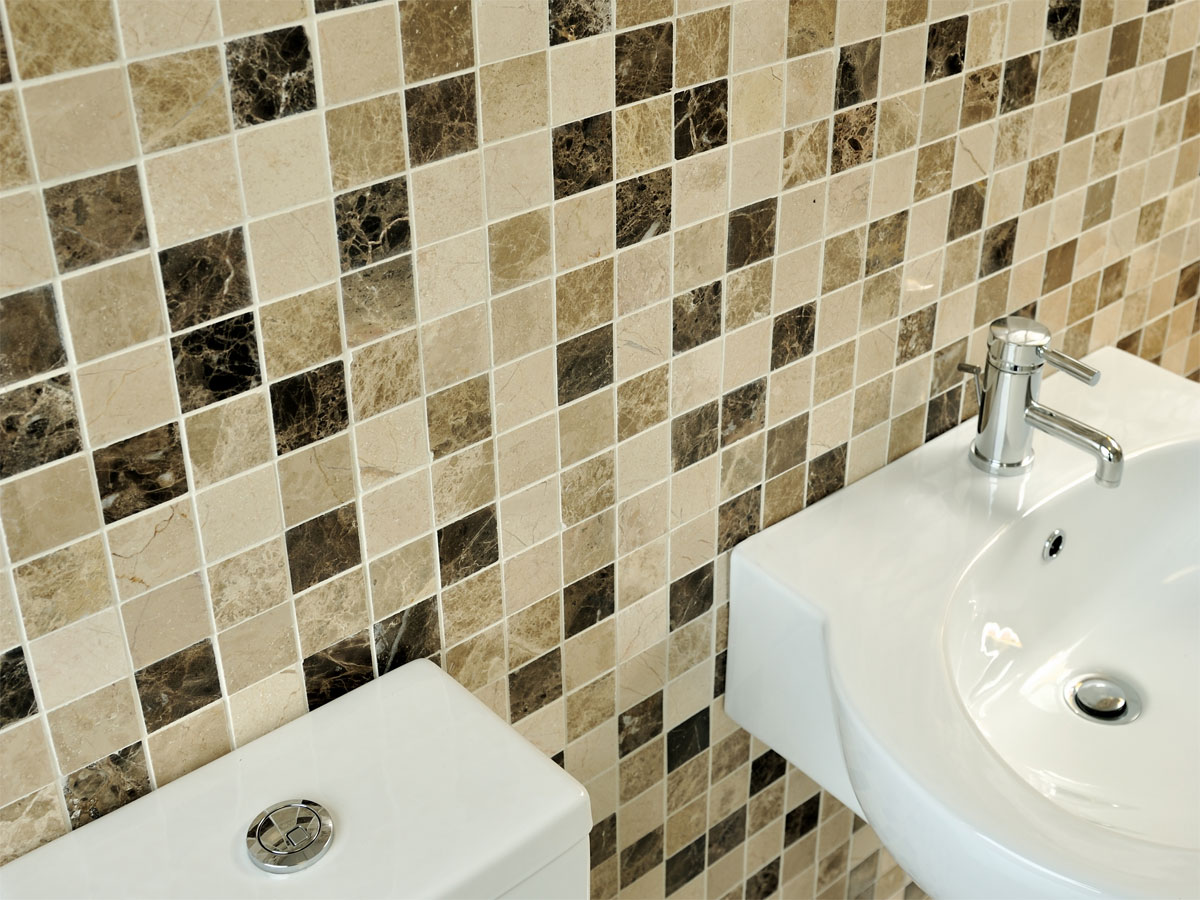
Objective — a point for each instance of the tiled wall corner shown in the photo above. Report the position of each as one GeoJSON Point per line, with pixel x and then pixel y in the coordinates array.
{"type": "Point", "coordinates": [340, 333]}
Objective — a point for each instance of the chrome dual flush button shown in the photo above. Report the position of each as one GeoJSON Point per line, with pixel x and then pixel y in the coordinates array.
{"type": "Point", "coordinates": [289, 836]}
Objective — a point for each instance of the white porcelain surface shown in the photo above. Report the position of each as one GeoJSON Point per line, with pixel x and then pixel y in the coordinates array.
{"type": "Point", "coordinates": [904, 643]}
{"type": "Point", "coordinates": [432, 796]}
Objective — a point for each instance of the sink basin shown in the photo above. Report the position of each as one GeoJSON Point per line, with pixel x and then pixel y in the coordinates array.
{"type": "Point", "coordinates": [907, 643]}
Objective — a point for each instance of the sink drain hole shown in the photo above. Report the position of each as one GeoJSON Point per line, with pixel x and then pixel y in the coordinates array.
{"type": "Point", "coordinates": [1102, 698]}
{"type": "Point", "coordinates": [1053, 545]}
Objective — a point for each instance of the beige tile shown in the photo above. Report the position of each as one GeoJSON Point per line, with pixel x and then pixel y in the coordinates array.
{"type": "Point", "coordinates": [755, 169]}
{"type": "Point", "coordinates": [517, 175]}
{"type": "Point", "coordinates": [519, 249]}
{"type": "Point", "coordinates": [702, 46]}
{"type": "Point", "coordinates": [149, 26]}
{"type": "Point", "coordinates": [455, 347]}
{"type": "Point", "coordinates": [249, 583]}
{"type": "Point", "coordinates": [809, 91]}
{"type": "Point", "coordinates": [238, 16]}
{"type": "Point", "coordinates": [283, 164]}
{"type": "Point", "coordinates": [463, 482]}
{"type": "Point", "coordinates": [479, 660]}
{"type": "Point", "coordinates": [294, 251]}
{"type": "Point", "coordinates": [699, 253]}
{"type": "Point", "coordinates": [48, 507]}
{"type": "Point", "coordinates": [95, 726]}
{"type": "Point", "coordinates": [267, 705]}
{"type": "Point", "coordinates": [472, 605]}
{"type": "Point", "coordinates": [366, 140]}
{"type": "Point", "coordinates": [524, 390]}
{"type": "Point", "coordinates": [128, 394]}
{"type": "Point", "coordinates": [27, 760]}
{"type": "Point", "coordinates": [385, 374]}
{"type": "Point", "coordinates": [315, 480]}
{"type": "Point", "coordinates": [701, 187]}
{"type": "Point", "coordinates": [239, 513]}
{"type": "Point", "coordinates": [153, 548]}
{"type": "Point", "coordinates": [404, 577]}
{"type": "Point", "coordinates": [643, 274]}
{"type": "Point", "coordinates": [522, 321]}
{"type": "Point", "coordinates": [15, 169]}
{"type": "Point", "coordinates": [642, 134]}
{"type": "Point", "coordinates": [25, 257]}
{"type": "Point", "coordinates": [10, 631]}
{"type": "Point", "coordinates": [94, 298]}
{"type": "Point", "coordinates": [397, 513]}
{"type": "Point", "coordinates": [230, 438]}
{"type": "Point", "coordinates": [166, 620]}
{"type": "Point", "coordinates": [63, 587]}
{"type": "Point", "coordinates": [581, 79]}
{"type": "Point", "coordinates": [583, 228]}
{"type": "Point", "coordinates": [79, 658]}
{"type": "Point", "coordinates": [193, 191]}
{"type": "Point", "coordinates": [360, 53]}
{"type": "Point", "coordinates": [448, 198]}
{"type": "Point", "coordinates": [452, 274]}
{"type": "Point", "coordinates": [513, 96]}
{"type": "Point", "coordinates": [189, 743]}
{"type": "Point", "coordinates": [180, 98]}
{"type": "Point", "coordinates": [437, 38]}
{"type": "Point", "coordinates": [30, 822]}
{"type": "Point", "coordinates": [332, 611]}
{"type": "Point", "coordinates": [50, 36]}
{"type": "Point", "coordinates": [391, 444]}
{"type": "Point", "coordinates": [755, 101]}
{"type": "Point", "coordinates": [510, 28]}
{"type": "Point", "coordinates": [759, 34]}
{"type": "Point", "coordinates": [258, 647]}
{"type": "Point", "coordinates": [529, 516]}
{"type": "Point", "coordinates": [301, 331]}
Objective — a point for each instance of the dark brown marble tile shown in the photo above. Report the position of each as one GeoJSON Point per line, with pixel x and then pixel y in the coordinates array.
{"type": "Point", "coordinates": [690, 596]}
{"type": "Point", "coordinates": [588, 601]}
{"type": "Point", "coordinates": [743, 411]}
{"type": "Point", "coordinates": [322, 547]}
{"type": "Point", "coordinates": [1123, 50]}
{"type": "Point", "coordinates": [534, 685]}
{"type": "Point", "coordinates": [685, 865]}
{"type": "Point", "coordinates": [1062, 19]}
{"type": "Point", "coordinates": [309, 407]}
{"type": "Point", "coordinates": [324, 6]}
{"type": "Point", "coordinates": [810, 25]}
{"type": "Point", "coordinates": [205, 278]}
{"type": "Point", "coordinates": [412, 633]}
{"type": "Point", "coordinates": [378, 300]}
{"type": "Point", "coordinates": [1020, 82]}
{"type": "Point", "coordinates": [437, 38]}
{"type": "Point", "coordinates": [468, 545]}
{"type": "Point", "coordinates": [1098, 203]}
{"type": "Point", "coordinates": [942, 414]}
{"type": "Point", "coordinates": [787, 445]}
{"type": "Point", "coordinates": [1040, 178]}
{"type": "Point", "coordinates": [688, 739]}
{"type": "Point", "coordinates": [372, 223]}
{"type": "Point", "coordinates": [459, 416]}
{"type": "Point", "coordinates": [765, 882]}
{"type": "Point", "coordinates": [1150, 220]}
{"type": "Point", "coordinates": [802, 819]}
{"type": "Point", "coordinates": [1115, 276]}
{"type": "Point", "coordinates": [738, 518]}
{"type": "Point", "coordinates": [766, 770]}
{"type": "Point", "coordinates": [1186, 289]}
{"type": "Point", "coordinates": [105, 785]}
{"type": "Point", "coordinates": [338, 669]}
{"type": "Point", "coordinates": [857, 74]}
{"type": "Point", "coordinates": [695, 435]}
{"type": "Point", "coordinates": [997, 251]}
{"type": "Point", "coordinates": [570, 20]}
{"type": "Point", "coordinates": [643, 402]}
{"type": "Point", "coordinates": [935, 168]}
{"type": "Point", "coordinates": [140, 472]}
{"type": "Point", "coordinates": [966, 210]}
{"type": "Point", "coordinates": [696, 317]}
{"type": "Point", "coordinates": [441, 118]}
{"type": "Point", "coordinates": [1060, 265]}
{"type": "Point", "coordinates": [793, 335]}
{"type": "Point", "coordinates": [945, 48]}
{"type": "Point", "coordinates": [853, 138]}
{"type": "Point", "coordinates": [270, 76]}
{"type": "Point", "coordinates": [30, 340]}
{"type": "Point", "coordinates": [216, 361]}
{"type": "Point", "coordinates": [701, 118]}
{"type": "Point", "coordinates": [38, 425]}
{"type": "Point", "coordinates": [643, 207]}
{"type": "Point", "coordinates": [602, 840]}
{"type": "Point", "coordinates": [886, 241]}
{"type": "Point", "coordinates": [1175, 80]}
{"type": "Point", "coordinates": [826, 474]}
{"type": "Point", "coordinates": [981, 90]}
{"type": "Point", "coordinates": [751, 234]}
{"type": "Point", "coordinates": [585, 364]}
{"type": "Point", "coordinates": [5, 68]}
{"type": "Point", "coordinates": [178, 685]}
{"type": "Point", "coordinates": [17, 700]}
{"type": "Point", "coordinates": [916, 334]}
{"type": "Point", "coordinates": [644, 62]}
{"type": "Point", "coordinates": [96, 218]}
{"type": "Point", "coordinates": [945, 366]}
{"type": "Point", "coordinates": [641, 856]}
{"type": "Point", "coordinates": [640, 724]}
{"type": "Point", "coordinates": [1081, 116]}
{"type": "Point", "coordinates": [583, 155]}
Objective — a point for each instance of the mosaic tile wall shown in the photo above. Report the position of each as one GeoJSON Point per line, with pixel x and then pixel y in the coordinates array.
{"type": "Point", "coordinates": [337, 334]}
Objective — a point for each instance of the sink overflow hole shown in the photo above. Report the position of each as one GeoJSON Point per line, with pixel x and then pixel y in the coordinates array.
{"type": "Point", "coordinates": [1054, 545]}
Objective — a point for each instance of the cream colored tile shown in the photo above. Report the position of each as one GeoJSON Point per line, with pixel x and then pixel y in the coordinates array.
{"type": "Point", "coordinates": [79, 658]}
{"type": "Point", "coordinates": [249, 583]}
{"type": "Point", "coordinates": [258, 647]}
{"type": "Point", "coordinates": [755, 168]}
{"type": "Point", "coordinates": [525, 389]}
{"type": "Point", "coordinates": [166, 620]}
{"type": "Point", "coordinates": [128, 394]}
{"type": "Point", "coordinates": [509, 28]}
{"type": "Point", "coordinates": [581, 79]}
{"type": "Point", "coordinates": [189, 743]}
{"type": "Point", "coordinates": [315, 480]}
{"type": "Point", "coordinates": [583, 228]}
{"type": "Point", "coordinates": [294, 251]}
{"type": "Point", "coordinates": [360, 53]}
{"type": "Point", "coordinates": [62, 587]}
{"type": "Point", "coordinates": [238, 16]}
{"type": "Point", "coordinates": [25, 256]}
{"type": "Point", "coordinates": [397, 513]}
{"type": "Point", "coordinates": [391, 444]}
{"type": "Point", "coordinates": [701, 187]}
{"type": "Point", "coordinates": [456, 347]}
{"type": "Point", "coordinates": [643, 274]}
{"type": "Point", "coordinates": [517, 174]}
{"type": "Point", "coordinates": [332, 611]}
{"type": "Point", "coordinates": [153, 548]}
{"type": "Point", "coordinates": [809, 90]}
{"type": "Point", "coordinates": [452, 275]}
{"type": "Point", "coordinates": [513, 96]}
{"type": "Point", "coordinates": [267, 705]}
{"type": "Point", "coordinates": [193, 191]}
{"type": "Point", "coordinates": [48, 507]}
{"type": "Point", "coordinates": [756, 99]}
{"type": "Point", "coordinates": [80, 123]}
{"type": "Point", "coordinates": [448, 198]}
{"type": "Point", "coordinates": [759, 34]}
{"type": "Point", "coordinates": [463, 482]}
{"type": "Point", "coordinates": [95, 726]}
{"type": "Point", "coordinates": [283, 163]}
{"type": "Point", "coordinates": [239, 513]}
{"type": "Point", "coordinates": [150, 26]}
{"type": "Point", "coordinates": [27, 760]}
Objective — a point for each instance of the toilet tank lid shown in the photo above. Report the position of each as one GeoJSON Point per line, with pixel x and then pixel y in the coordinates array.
{"type": "Point", "coordinates": [431, 793]}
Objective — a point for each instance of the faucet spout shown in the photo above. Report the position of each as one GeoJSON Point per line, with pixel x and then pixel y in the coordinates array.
{"type": "Point", "coordinates": [1110, 460]}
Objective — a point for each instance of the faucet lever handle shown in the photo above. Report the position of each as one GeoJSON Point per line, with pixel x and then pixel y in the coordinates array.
{"type": "Point", "coordinates": [1071, 366]}
{"type": "Point", "coordinates": [976, 372]}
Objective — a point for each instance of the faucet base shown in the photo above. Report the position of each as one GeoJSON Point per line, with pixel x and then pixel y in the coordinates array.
{"type": "Point", "coordinates": [995, 467]}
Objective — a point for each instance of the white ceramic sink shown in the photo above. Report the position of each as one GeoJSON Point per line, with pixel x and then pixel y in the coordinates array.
{"type": "Point", "coordinates": [905, 643]}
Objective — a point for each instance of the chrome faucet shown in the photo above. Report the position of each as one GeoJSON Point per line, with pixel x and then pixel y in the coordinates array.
{"type": "Point", "coordinates": [1007, 390]}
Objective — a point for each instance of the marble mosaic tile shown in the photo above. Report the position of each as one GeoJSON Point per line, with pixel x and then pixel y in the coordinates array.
{"type": "Point", "coordinates": [205, 279]}
{"type": "Point", "coordinates": [216, 361]}
{"type": "Point", "coordinates": [270, 76]}
{"type": "Point", "coordinates": [140, 472]}
{"type": "Point", "coordinates": [372, 223]}
{"type": "Point", "coordinates": [436, 37]}
{"type": "Point", "coordinates": [366, 140]}
{"type": "Point", "coordinates": [644, 63]}
{"type": "Point", "coordinates": [96, 218]}
{"type": "Point", "coordinates": [338, 669]}
{"type": "Point", "coordinates": [701, 118]}
{"type": "Point", "coordinates": [826, 474]}
{"type": "Point", "coordinates": [39, 425]}
{"type": "Point", "coordinates": [15, 170]}
{"type": "Point", "coordinates": [178, 684]}
{"type": "Point", "coordinates": [62, 587]}
{"type": "Point", "coordinates": [571, 20]}
{"type": "Point", "coordinates": [111, 308]}
{"type": "Point", "coordinates": [412, 633]}
{"type": "Point", "coordinates": [17, 701]}
{"type": "Point", "coordinates": [583, 155]}
{"type": "Point", "coordinates": [322, 547]}
{"type": "Point", "coordinates": [309, 407]}
{"type": "Point", "coordinates": [58, 35]}
{"type": "Point", "coordinates": [441, 118]}
{"type": "Point", "coordinates": [106, 785]}
{"type": "Point", "coordinates": [702, 46]}
{"type": "Point", "coordinates": [179, 98]}
{"type": "Point", "coordinates": [810, 25]}
{"type": "Point", "coordinates": [857, 73]}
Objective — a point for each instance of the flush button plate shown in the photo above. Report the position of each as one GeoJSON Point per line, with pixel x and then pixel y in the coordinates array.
{"type": "Point", "coordinates": [289, 836]}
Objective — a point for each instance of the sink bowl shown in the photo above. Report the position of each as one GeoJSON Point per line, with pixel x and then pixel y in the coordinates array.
{"type": "Point", "coordinates": [912, 643]}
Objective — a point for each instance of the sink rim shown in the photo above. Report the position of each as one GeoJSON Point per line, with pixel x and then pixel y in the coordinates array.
{"type": "Point", "coordinates": [1009, 820]}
